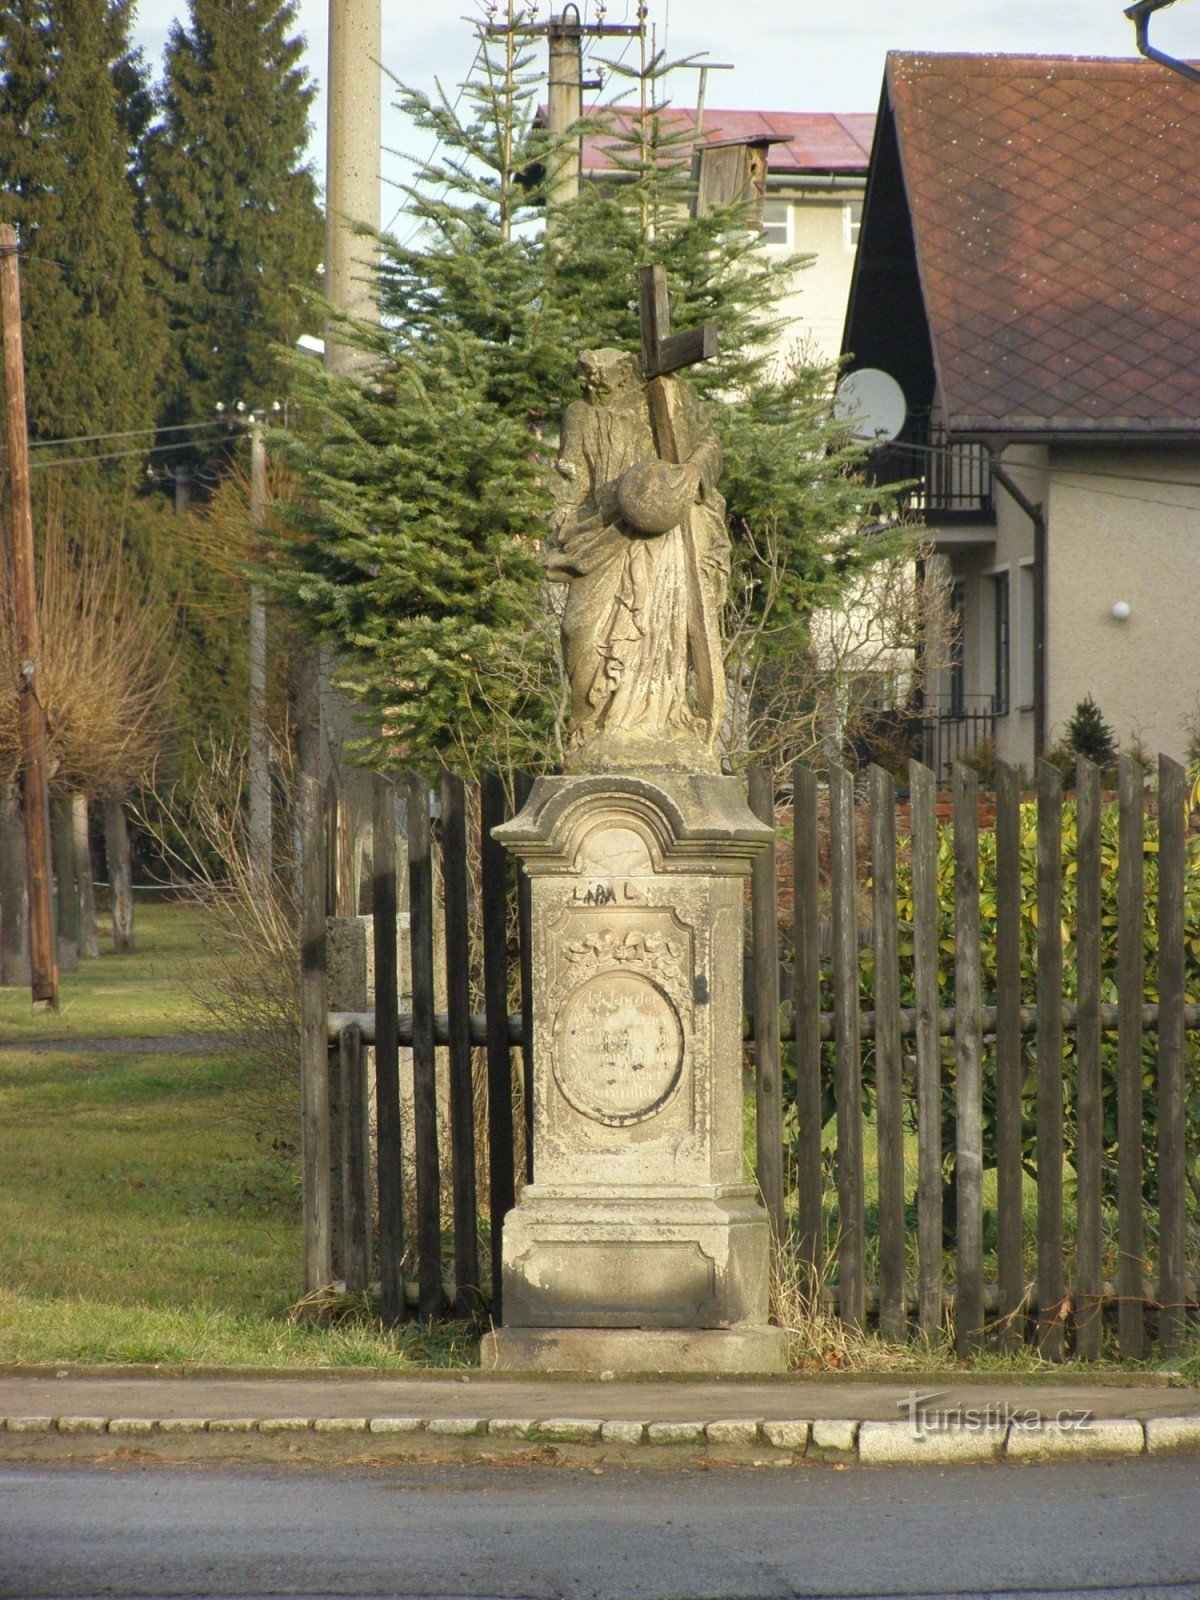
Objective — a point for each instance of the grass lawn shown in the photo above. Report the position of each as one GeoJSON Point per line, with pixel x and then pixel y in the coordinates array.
{"type": "Point", "coordinates": [143, 1217]}
{"type": "Point", "coordinates": [137, 994]}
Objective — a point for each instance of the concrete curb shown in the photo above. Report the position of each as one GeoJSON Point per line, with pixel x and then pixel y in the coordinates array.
{"type": "Point", "coordinates": [870, 1443]}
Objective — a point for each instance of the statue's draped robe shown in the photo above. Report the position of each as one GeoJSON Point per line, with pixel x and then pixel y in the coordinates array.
{"type": "Point", "coordinates": [641, 626]}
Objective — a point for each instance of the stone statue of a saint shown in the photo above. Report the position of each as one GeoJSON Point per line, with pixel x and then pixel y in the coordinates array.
{"type": "Point", "coordinates": [642, 544]}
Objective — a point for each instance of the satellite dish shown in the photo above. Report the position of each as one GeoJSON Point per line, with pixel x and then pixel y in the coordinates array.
{"type": "Point", "coordinates": [874, 402]}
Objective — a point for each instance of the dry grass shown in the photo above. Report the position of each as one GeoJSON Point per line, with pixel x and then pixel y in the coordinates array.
{"type": "Point", "coordinates": [247, 986]}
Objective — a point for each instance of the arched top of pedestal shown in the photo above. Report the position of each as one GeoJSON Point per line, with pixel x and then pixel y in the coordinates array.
{"type": "Point", "coordinates": [696, 823]}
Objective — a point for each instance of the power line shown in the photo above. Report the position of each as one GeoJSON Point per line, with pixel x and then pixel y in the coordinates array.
{"type": "Point", "coordinates": [127, 433]}
{"type": "Point", "coordinates": [106, 455]}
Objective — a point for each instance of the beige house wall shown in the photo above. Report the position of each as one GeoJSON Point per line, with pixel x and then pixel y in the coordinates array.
{"type": "Point", "coordinates": [1121, 530]}
{"type": "Point", "coordinates": [820, 227]}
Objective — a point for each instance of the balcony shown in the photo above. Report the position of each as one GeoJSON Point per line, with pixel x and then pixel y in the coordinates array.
{"type": "Point", "coordinates": [953, 481]}
{"type": "Point", "coordinates": [938, 733]}
{"type": "Point", "coordinates": [955, 728]}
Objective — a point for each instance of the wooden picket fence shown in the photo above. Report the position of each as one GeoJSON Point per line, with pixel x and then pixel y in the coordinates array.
{"type": "Point", "coordinates": [793, 1037]}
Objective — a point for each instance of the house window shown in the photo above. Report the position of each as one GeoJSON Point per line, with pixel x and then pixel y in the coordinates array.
{"type": "Point", "coordinates": [1028, 634]}
{"type": "Point", "coordinates": [958, 656]}
{"type": "Point", "coordinates": [852, 222]}
{"type": "Point", "coordinates": [1000, 641]}
{"type": "Point", "coordinates": [777, 224]}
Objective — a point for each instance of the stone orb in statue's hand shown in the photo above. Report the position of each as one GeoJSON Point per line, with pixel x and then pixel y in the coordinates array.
{"type": "Point", "coordinates": [654, 496]}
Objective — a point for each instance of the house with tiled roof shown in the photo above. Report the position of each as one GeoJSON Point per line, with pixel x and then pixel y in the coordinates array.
{"type": "Point", "coordinates": [1029, 273]}
{"type": "Point", "coordinates": [815, 180]}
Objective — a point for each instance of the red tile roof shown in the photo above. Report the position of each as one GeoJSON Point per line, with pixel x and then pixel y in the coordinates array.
{"type": "Point", "coordinates": [1056, 212]}
{"type": "Point", "coordinates": [810, 141]}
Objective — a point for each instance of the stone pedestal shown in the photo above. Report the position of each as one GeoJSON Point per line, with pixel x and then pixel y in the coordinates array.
{"type": "Point", "coordinates": [639, 1218]}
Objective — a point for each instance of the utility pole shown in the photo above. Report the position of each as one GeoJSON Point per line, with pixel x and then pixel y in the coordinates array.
{"type": "Point", "coordinates": [35, 791]}
{"type": "Point", "coordinates": [352, 178]}
{"type": "Point", "coordinates": [565, 110]}
{"type": "Point", "coordinates": [565, 33]}
{"type": "Point", "coordinates": [260, 747]}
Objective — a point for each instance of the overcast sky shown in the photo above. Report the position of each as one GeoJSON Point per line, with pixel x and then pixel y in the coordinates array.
{"type": "Point", "coordinates": [789, 55]}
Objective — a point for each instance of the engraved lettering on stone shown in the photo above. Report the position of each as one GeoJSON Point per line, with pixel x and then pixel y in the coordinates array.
{"type": "Point", "coordinates": [653, 950]}
{"type": "Point", "coordinates": [618, 1048]}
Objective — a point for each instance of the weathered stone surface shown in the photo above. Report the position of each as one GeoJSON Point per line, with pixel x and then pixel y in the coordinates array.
{"type": "Point", "coordinates": [570, 1430]}
{"type": "Point", "coordinates": [455, 1427]}
{"type": "Point", "coordinates": [183, 1424]}
{"type": "Point", "coordinates": [232, 1424]}
{"type": "Point", "coordinates": [512, 1428]}
{"type": "Point", "coordinates": [1103, 1437]}
{"type": "Point", "coordinates": [880, 1442]}
{"type": "Point", "coordinates": [29, 1424]}
{"type": "Point", "coordinates": [138, 1425]}
{"type": "Point", "coordinates": [396, 1425]}
{"type": "Point", "coordinates": [786, 1435]}
{"type": "Point", "coordinates": [675, 1432]}
{"type": "Point", "coordinates": [284, 1424]}
{"type": "Point", "coordinates": [833, 1435]}
{"type": "Point", "coordinates": [639, 538]}
{"type": "Point", "coordinates": [82, 1424]}
{"type": "Point", "coordinates": [619, 1431]}
{"type": "Point", "coordinates": [734, 1430]}
{"type": "Point", "coordinates": [1173, 1435]}
{"type": "Point", "coordinates": [634, 1352]}
{"type": "Point", "coordinates": [340, 1424]}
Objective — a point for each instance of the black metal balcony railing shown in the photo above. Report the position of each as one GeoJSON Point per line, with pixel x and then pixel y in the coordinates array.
{"type": "Point", "coordinates": [953, 481]}
{"type": "Point", "coordinates": [954, 728]}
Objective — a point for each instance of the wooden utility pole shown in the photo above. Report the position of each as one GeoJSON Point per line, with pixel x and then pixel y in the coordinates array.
{"type": "Point", "coordinates": [260, 746]}
{"type": "Point", "coordinates": [35, 790]}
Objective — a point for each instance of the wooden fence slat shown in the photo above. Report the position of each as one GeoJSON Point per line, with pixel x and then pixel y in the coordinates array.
{"type": "Point", "coordinates": [889, 1060]}
{"type": "Point", "coordinates": [1172, 1122]}
{"type": "Point", "coordinates": [356, 1180]}
{"type": "Point", "coordinates": [924, 842]}
{"type": "Point", "coordinates": [1050, 1278]}
{"type": "Point", "coordinates": [1010, 1059]}
{"type": "Point", "coordinates": [810, 1227]}
{"type": "Point", "coordinates": [316, 1192]}
{"type": "Point", "coordinates": [847, 1049]}
{"type": "Point", "coordinates": [1130, 988]}
{"type": "Point", "coordinates": [968, 1054]}
{"type": "Point", "coordinates": [768, 1076]}
{"type": "Point", "coordinates": [494, 905]}
{"type": "Point", "coordinates": [420, 894]}
{"type": "Point", "coordinates": [388, 1138]}
{"type": "Point", "coordinates": [522, 789]}
{"type": "Point", "coordinates": [1089, 1088]}
{"type": "Point", "coordinates": [458, 1007]}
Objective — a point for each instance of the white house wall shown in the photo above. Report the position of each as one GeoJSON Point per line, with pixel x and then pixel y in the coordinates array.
{"type": "Point", "coordinates": [1124, 526]}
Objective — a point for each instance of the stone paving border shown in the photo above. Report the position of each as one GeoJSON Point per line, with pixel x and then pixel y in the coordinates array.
{"type": "Point", "coordinates": [870, 1443]}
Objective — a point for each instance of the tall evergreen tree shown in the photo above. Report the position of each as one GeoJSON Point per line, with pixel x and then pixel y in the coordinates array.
{"type": "Point", "coordinates": [233, 222]}
{"type": "Point", "coordinates": [70, 85]}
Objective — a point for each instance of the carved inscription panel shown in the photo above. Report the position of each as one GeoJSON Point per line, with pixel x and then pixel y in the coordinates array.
{"type": "Point", "coordinates": [620, 1000]}
{"type": "Point", "coordinates": [618, 1048]}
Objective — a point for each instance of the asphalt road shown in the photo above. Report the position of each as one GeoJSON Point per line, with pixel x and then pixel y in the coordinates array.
{"type": "Point", "coordinates": [1122, 1528]}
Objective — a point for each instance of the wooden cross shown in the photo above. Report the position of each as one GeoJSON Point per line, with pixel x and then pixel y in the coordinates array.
{"type": "Point", "coordinates": [664, 351]}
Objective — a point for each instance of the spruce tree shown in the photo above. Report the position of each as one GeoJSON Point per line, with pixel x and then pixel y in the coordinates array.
{"type": "Point", "coordinates": [70, 86]}
{"type": "Point", "coordinates": [233, 223]}
{"type": "Point", "coordinates": [1088, 734]}
{"type": "Point", "coordinates": [484, 318]}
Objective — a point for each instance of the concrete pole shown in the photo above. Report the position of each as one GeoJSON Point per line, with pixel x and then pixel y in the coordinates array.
{"type": "Point", "coordinates": [565, 108]}
{"type": "Point", "coordinates": [352, 176]}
